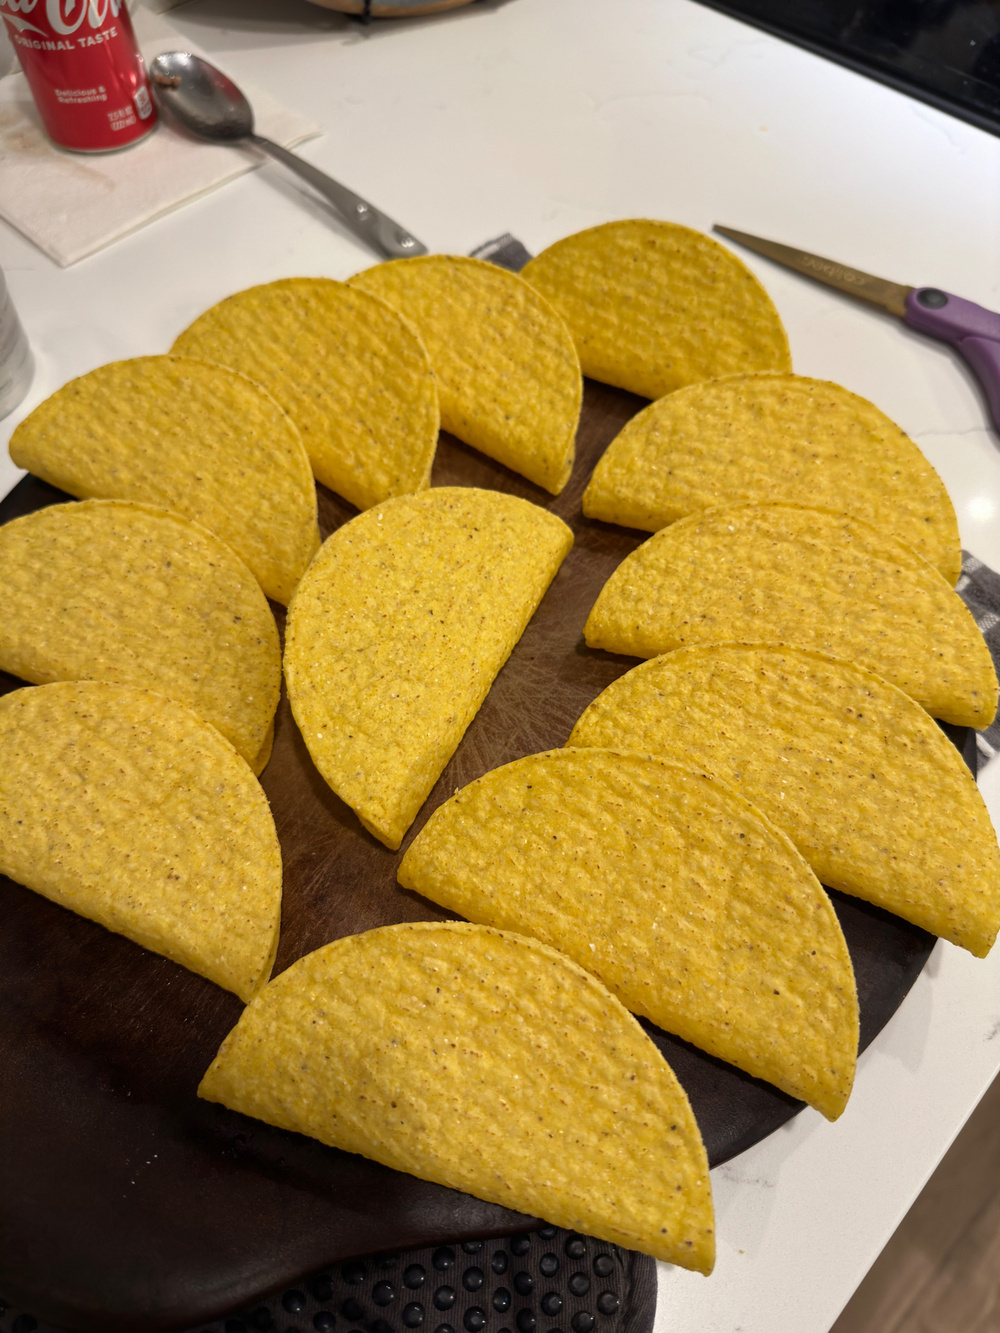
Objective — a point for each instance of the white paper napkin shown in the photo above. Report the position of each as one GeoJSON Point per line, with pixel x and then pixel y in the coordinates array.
{"type": "Point", "coordinates": [71, 204]}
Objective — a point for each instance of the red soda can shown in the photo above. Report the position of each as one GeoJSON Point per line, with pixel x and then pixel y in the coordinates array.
{"type": "Point", "coordinates": [84, 69]}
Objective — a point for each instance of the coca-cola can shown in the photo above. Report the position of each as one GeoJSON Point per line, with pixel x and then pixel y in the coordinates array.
{"type": "Point", "coordinates": [84, 69]}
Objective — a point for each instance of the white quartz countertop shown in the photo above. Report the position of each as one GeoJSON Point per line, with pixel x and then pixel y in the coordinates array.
{"type": "Point", "coordinates": [540, 117]}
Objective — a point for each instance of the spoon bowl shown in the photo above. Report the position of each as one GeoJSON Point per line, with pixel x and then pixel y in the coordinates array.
{"type": "Point", "coordinates": [203, 99]}
{"type": "Point", "coordinates": [210, 106]}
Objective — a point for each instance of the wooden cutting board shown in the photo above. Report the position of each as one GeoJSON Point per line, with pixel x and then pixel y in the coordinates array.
{"type": "Point", "coordinates": [127, 1203]}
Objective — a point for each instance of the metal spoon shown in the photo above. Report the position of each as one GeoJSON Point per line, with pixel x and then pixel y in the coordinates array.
{"type": "Point", "coordinates": [211, 106]}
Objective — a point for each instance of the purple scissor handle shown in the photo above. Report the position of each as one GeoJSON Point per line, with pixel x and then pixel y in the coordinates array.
{"type": "Point", "coordinates": [971, 329]}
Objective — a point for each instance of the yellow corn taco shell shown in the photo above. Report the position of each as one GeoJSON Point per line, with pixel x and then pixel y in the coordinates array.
{"type": "Point", "coordinates": [867, 786]}
{"type": "Point", "coordinates": [653, 306]}
{"type": "Point", "coordinates": [808, 577]}
{"type": "Point", "coordinates": [107, 590]}
{"type": "Point", "coordinates": [188, 436]}
{"type": "Point", "coordinates": [352, 375]}
{"type": "Point", "coordinates": [396, 633]}
{"type": "Point", "coordinates": [482, 1061]}
{"type": "Point", "coordinates": [125, 807]}
{"type": "Point", "coordinates": [507, 373]}
{"type": "Point", "coordinates": [768, 437]}
{"type": "Point", "coordinates": [672, 890]}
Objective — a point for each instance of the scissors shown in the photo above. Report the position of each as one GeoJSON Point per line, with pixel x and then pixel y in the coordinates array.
{"type": "Point", "coordinates": [971, 329]}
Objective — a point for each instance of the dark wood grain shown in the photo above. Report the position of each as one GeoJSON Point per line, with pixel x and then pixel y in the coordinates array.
{"type": "Point", "coordinates": [127, 1203]}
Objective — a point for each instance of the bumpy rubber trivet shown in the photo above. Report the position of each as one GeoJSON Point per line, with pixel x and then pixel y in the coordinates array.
{"type": "Point", "coordinates": [545, 1282]}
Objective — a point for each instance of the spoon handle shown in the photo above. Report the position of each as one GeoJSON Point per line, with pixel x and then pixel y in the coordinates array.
{"type": "Point", "coordinates": [379, 231]}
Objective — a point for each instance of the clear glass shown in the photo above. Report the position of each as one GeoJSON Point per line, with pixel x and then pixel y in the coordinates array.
{"type": "Point", "coordinates": [16, 365]}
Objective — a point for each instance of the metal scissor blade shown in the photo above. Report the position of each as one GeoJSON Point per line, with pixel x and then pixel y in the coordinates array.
{"type": "Point", "coordinates": [890, 296]}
